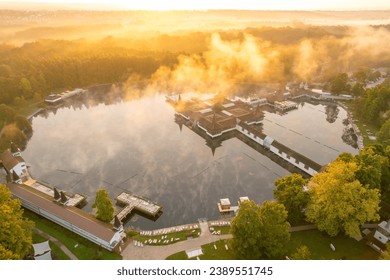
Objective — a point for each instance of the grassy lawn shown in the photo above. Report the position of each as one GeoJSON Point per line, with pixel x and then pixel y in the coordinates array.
{"type": "Point", "coordinates": [222, 229]}
{"type": "Point", "coordinates": [319, 246]}
{"type": "Point", "coordinates": [317, 242]}
{"type": "Point", "coordinates": [209, 252]}
{"type": "Point", "coordinates": [175, 237]}
{"type": "Point", "coordinates": [56, 252]}
{"type": "Point", "coordinates": [81, 247]}
{"type": "Point", "coordinates": [363, 129]}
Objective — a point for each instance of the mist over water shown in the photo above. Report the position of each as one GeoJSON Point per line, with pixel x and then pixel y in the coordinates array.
{"type": "Point", "coordinates": [136, 146]}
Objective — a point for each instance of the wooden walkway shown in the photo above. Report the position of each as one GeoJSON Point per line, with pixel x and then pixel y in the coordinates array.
{"type": "Point", "coordinates": [134, 202]}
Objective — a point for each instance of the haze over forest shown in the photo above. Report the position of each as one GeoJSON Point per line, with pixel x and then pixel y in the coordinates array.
{"type": "Point", "coordinates": [204, 51]}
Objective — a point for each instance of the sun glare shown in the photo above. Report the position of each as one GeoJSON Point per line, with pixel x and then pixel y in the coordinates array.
{"type": "Point", "coordinates": [162, 5]}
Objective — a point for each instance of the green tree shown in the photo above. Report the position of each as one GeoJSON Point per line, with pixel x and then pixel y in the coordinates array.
{"type": "Point", "coordinates": [260, 231]}
{"type": "Point", "coordinates": [357, 89]}
{"type": "Point", "coordinates": [338, 201]}
{"type": "Point", "coordinates": [345, 157]}
{"type": "Point", "coordinates": [275, 229]}
{"type": "Point", "coordinates": [302, 253]}
{"type": "Point", "coordinates": [369, 168]}
{"type": "Point", "coordinates": [25, 87]}
{"type": "Point", "coordinates": [23, 124]}
{"type": "Point", "coordinates": [360, 76]}
{"type": "Point", "coordinates": [246, 231]}
{"type": "Point", "coordinates": [15, 231]}
{"type": "Point", "coordinates": [339, 83]}
{"type": "Point", "coordinates": [7, 114]}
{"type": "Point", "coordinates": [290, 192]}
{"type": "Point", "coordinates": [384, 133]}
{"type": "Point", "coordinates": [103, 204]}
{"type": "Point", "coordinates": [7, 254]}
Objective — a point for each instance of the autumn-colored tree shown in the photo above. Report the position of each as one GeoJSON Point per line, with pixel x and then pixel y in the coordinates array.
{"type": "Point", "coordinates": [15, 231]}
{"type": "Point", "coordinates": [339, 202]}
{"type": "Point", "coordinates": [103, 204]}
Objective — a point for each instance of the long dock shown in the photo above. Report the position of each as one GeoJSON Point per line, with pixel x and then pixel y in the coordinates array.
{"type": "Point", "coordinates": [134, 202]}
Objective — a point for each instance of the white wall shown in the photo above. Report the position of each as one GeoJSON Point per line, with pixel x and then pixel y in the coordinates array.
{"type": "Point", "coordinates": [19, 169]}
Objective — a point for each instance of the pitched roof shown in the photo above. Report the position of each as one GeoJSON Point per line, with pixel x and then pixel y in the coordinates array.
{"type": "Point", "coordinates": [70, 214]}
{"type": "Point", "coordinates": [9, 161]}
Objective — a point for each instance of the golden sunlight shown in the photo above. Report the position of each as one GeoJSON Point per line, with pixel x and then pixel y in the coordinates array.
{"type": "Point", "coordinates": [231, 4]}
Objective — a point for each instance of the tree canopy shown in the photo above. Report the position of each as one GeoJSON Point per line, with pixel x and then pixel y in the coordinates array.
{"type": "Point", "coordinates": [339, 202]}
{"type": "Point", "coordinates": [373, 168]}
{"type": "Point", "coordinates": [103, 204]}
{"type": "Point", "coordinates": [15, 128]}
{"type": "Point", "coordinates": [260, 231]}
{"type": "Point", "coordinates": [302, 253]}
{"type": "Point", "coordinates": [290, 192]}
{"type": "Point", "coordinates": [15, 231]}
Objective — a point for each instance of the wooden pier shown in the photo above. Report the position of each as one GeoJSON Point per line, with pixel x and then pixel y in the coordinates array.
{"type": "Point", "coordinates": [134, 202]}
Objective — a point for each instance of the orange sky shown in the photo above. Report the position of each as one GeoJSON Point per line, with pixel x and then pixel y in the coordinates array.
{"type": "Point", "coordinates": [230, 4]}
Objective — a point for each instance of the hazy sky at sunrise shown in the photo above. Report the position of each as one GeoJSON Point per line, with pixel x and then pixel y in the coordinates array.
{"type": "Point", "coordinates": [231, 4]}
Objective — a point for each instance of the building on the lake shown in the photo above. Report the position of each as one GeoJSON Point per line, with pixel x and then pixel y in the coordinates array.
{"type": "Point", "coordinates": [217, 118]}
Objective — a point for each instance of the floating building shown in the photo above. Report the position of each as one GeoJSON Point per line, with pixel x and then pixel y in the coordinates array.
{"type": "Point", "coordinates": [222, 119]}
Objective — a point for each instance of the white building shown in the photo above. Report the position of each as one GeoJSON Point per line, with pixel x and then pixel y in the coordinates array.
{"type": "Point", "coordinates": [69, 217]}
{"type": "Point", "coordinates": [382, 233]}
{"type": "Point", "coordinates": [15, 166]}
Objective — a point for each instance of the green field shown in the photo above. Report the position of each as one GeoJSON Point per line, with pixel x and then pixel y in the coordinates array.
{"type": "Point", "coordinates": [317, 242]}
{"type": "Point", "coordinates": [319, 246]}
{"type": "Point", "coordinates": [79, 246]}
{"type": "Point", "coordinates": [56, 252]}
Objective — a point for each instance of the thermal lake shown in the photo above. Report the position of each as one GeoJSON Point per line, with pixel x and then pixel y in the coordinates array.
{"type": "Point", "coordinates": [136, 146]}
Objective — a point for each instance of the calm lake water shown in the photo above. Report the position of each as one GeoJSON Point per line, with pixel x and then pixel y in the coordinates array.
{"type": "Point", "coordinates": [136, 146]}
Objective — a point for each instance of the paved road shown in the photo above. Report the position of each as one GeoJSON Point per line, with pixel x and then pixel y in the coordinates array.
{"type": "Point", "coordinates": [132, 252]}
{"type": "Point", "coordinates": [57, 242]}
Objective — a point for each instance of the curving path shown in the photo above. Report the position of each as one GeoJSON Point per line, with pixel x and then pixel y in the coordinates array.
{"type": "Point", "coordinates": [132, 252]}
{"type": "Point", "coordinates": [57, 242]}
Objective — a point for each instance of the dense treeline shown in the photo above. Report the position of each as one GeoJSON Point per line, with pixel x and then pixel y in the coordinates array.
{"type": "Point", "coordinates": [13, 128]}
{"type": "Point", "coordinates": [374, 108]}
{"type": "Point", "coordinates": [344, 196]}
{"type": "Point", "coordinates": [36, 69]}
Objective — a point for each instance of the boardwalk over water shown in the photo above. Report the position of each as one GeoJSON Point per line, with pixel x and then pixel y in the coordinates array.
{"type": "Point", "coordinates": [134, 202]}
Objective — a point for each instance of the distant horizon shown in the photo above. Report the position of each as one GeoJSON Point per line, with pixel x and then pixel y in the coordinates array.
{"type": "Point", "coordinates": [200, 5]}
